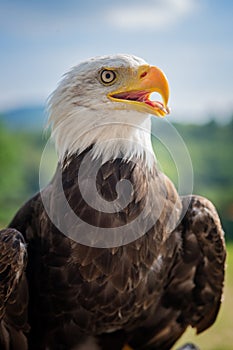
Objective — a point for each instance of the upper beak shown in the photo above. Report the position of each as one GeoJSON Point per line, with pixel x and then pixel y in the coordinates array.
{"type": "Point", "coordinates": [138, 90]}
{"type": "Point", "coordinates": [156, 81]}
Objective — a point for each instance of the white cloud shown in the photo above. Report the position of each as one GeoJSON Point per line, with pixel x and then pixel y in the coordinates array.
{"type": "Point", "coordinates": [153, 14]}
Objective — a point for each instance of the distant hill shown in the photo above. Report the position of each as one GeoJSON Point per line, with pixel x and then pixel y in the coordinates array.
{"type": "Point", "coordinates": [28, 118]}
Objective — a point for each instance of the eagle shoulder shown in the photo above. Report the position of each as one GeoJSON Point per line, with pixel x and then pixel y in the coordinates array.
{"type": "Point", "coordinates": [197, 278]}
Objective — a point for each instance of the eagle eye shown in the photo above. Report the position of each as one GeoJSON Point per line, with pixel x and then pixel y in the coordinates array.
{"type": "Point", "coordinates": [107, 76]}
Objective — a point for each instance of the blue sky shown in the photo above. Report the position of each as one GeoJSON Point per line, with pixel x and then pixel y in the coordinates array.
{"type": "Point", "coordinates": [191, 40]}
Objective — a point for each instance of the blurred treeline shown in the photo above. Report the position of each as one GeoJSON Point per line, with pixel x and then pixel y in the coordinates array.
{"type": "Point", "coordinates": [20, 154]}
{"type": "Point", "coordinates": [210, 147]}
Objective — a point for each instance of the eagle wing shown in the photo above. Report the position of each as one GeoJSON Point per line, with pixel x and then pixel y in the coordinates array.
{"type": "Point", "coordinates": [13, 313]}
{"type": "Point", "coordinates": [20, 235]}
{"type": "Point", "coordinates": [12, 263]}
{"type": "Point", "coordinates": [193, 292]}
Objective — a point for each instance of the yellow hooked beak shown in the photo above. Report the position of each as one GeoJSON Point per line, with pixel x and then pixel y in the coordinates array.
{"type": "Point", "coordinates": [137, 91]}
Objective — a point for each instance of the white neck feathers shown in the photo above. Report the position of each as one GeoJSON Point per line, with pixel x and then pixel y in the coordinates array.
{"type": "Point", "coordinates": [126, 135]}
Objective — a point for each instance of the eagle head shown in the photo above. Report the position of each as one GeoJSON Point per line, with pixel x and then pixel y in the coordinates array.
{"type": "Point", "coordinates": [103, 96]}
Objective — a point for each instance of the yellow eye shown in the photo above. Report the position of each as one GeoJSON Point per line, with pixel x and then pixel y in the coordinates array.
{"type": "Point", "coordinates": [107, 76]}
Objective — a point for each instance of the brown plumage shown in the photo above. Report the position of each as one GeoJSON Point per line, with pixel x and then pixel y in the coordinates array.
{"type": "Point", "coordinates": [143, 293]}
{"type": "Point", "coordinates": [13, 256]}
{"type": "Point", "coordinates": [148, 291]}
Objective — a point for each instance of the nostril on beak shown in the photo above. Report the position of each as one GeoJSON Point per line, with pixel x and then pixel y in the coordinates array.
{"type": "Point", "coordinates": [143, 75]}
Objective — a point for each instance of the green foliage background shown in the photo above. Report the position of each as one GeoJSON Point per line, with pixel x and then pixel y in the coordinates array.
{"type": "Point", "coordinates": [20, 154]}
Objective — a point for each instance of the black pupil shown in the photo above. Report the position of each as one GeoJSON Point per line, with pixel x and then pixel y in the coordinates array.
{"type": "Point", "coordinates": [108, 75]}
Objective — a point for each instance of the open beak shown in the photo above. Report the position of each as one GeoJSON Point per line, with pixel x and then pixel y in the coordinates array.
{"type": "Point", "coordinates": [138, 90]}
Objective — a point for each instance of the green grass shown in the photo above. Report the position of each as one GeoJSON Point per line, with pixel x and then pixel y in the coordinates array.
{"type": "Point", "coordinates": [220, 335]}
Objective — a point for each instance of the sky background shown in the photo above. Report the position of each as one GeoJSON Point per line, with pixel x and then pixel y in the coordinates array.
{"type": "Point", "coordinates": [191, 40]}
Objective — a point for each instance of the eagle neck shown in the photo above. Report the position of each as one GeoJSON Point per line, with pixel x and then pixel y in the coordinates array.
{"type": "Point", "coordinates": [109, 140]}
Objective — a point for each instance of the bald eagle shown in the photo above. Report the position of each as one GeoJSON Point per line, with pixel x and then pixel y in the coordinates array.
{"type": "Point", "coordinates": [108, 254]}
